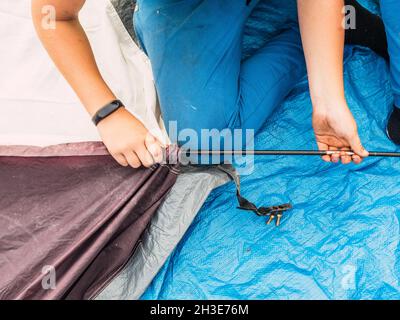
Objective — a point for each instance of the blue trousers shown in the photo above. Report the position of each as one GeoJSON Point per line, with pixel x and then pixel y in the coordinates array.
{"type": "Point", "coordinates": [203, 82]}
{"type": "Point", "coordinates": [391, 16]}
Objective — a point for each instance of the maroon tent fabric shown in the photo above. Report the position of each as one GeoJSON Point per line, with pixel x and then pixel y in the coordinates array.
{"type": "Point", "coordinates": [72, 214]}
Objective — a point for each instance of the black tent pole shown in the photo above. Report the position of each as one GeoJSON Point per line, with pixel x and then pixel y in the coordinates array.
{"type": "Point", "coordinates": [285, 153]}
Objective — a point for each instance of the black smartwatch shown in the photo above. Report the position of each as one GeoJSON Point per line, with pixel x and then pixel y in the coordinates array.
{"type": "Point", "coordinates": [107, 110]}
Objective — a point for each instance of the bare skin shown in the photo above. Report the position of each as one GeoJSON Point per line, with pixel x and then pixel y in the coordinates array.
{"type": "Point", "coordinates": [126, 138]}
{"type": "Point", "coordinates": [323, 42]}
{"type": "Point", "coordinates": [129, 141]}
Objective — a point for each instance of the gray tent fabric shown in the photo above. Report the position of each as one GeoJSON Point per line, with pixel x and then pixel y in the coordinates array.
{"type": "Point", "coordinates": [165, 231]}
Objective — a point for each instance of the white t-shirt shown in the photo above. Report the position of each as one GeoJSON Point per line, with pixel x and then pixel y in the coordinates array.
{"type": "Point", "coordinates": [38, 107]}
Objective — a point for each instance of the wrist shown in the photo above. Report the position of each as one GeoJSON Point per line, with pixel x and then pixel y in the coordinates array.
{"type": "Point", "coordinates": [326, 104]}
{"type": "Point", "coordinates": [97, 99]}
{"type": "Point", "coordinates": [106, 111]}
{"type": "Point", "coordinates": [114, 119]}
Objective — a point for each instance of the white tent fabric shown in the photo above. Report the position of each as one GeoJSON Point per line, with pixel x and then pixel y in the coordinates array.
{"type": "Point", "coordinates": [37, 106]}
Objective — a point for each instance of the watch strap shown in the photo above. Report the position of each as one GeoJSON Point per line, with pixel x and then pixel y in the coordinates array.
{"type": "Point", "coordinates": [106, 111]}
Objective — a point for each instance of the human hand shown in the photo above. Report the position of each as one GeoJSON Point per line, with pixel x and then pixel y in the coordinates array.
{"type": "Point", "coordinates": [128, 140]}
{"type": "Point", "coordinates": [335, 129]}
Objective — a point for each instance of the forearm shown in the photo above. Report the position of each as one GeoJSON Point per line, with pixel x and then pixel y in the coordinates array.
{"type": "Point", "coordinates": [323, 41]}
{"type": "Point", "coordinates": [69, 48]}
{"type": "Point", "coordinates": [125, 137]}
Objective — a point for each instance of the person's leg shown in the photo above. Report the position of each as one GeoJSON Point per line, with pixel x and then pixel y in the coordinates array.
{"type": "Point", "coordinates": [196, 52]}
{"type": "Point", "coordinates": [267, 78]}
{"type": "Point", "coordinates": [369, 30]}
{"type": "Point", "coordinates": [391, 16]}
{"type": "Point", "coordinates": [195, 48]}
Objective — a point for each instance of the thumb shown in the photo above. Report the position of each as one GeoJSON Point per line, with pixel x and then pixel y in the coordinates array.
{"type": "Point", "coordinates": [154, 147]}
{"type": "Point", "coordinates": [357, 147]}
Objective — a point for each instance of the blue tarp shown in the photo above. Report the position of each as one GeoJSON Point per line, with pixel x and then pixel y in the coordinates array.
{"type": "Point", "coordinates": [341, 241]}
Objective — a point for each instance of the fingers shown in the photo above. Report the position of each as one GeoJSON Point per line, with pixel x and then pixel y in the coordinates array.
{"type": "Point", "coordinates": [346, 159]}
{"type": "Point", "coordinates": [135, 154]}
{"type": "Point", "coordinates": [341, 155]}
{"type": "Point", "coordinates": [357, 147]}
{"type": "Point", "coordinates": [133, 159]}
{"type": "Point", "coordinates": [335, 157]}
{"type": "Point", "coordinates": [129, 157]}
{"type": "Point", "coordinates": [154, 148]}
{"type": "Point", "coordinates": [120, 158]}
{"type": "Point", "coordinates": [324, 147]}
{"type": "Point", "coordinates": [356, 159]}
{"type": "Point", "coordinates": [145, 156]}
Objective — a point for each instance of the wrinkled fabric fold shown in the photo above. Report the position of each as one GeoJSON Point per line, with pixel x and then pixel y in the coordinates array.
{"type": "Point", "coordinates": [70, 223]}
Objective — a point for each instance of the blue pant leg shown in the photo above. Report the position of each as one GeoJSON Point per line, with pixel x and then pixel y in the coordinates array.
{"type": "Point", "coordinates": [391, 17]}
{"type": "Point", "coordinates": [268, 77]}
{"type": "Point", "coordinates": [195, 48]}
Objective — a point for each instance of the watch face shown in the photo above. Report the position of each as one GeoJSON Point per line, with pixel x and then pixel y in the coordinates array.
{"type": "Point", "coordinates": [108, 109]}
{"type": "Point", "coordinates": [103, 112]}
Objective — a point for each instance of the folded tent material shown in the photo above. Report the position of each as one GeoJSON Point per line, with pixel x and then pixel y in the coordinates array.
{"type": "Point", "coordinates": [74, 210]}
